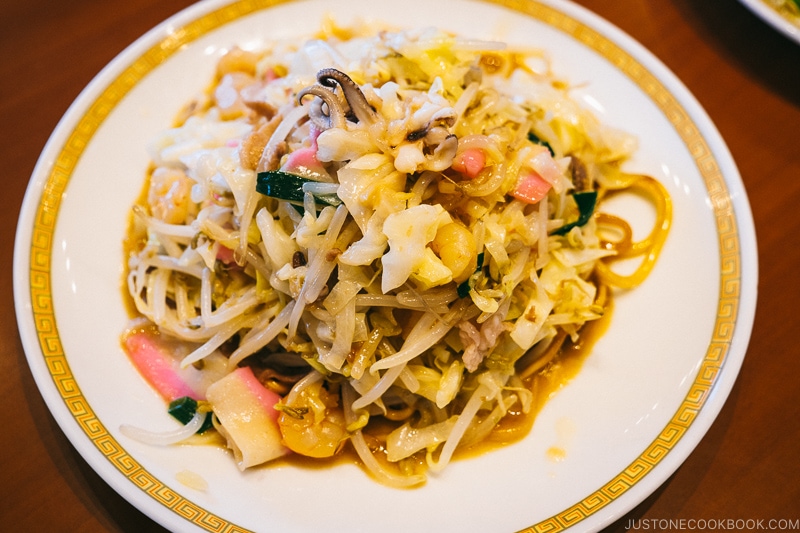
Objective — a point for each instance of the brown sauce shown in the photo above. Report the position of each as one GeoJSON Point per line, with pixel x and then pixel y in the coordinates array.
{"type": "Point", "coordinates": [515, 426]}
{"type": "Point", "coordinates": [544, 384]}
{"type": "Point", "coordinates": [134, 240]}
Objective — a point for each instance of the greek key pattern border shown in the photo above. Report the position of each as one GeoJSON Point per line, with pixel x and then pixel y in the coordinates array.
{"type": "Point", "coordinates": [50, 202]}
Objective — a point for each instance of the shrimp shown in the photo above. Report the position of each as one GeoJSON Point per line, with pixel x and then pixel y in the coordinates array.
{"type": "Point", "coordinates": [312, 421]}
{"type": "Point", "coordinates": [170, 195]}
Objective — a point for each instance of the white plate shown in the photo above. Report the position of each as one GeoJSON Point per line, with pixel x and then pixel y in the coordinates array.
{"type": "Point", "coordinates": [645, 397]}
{"type": "Point", "coordinates": [772, 17]}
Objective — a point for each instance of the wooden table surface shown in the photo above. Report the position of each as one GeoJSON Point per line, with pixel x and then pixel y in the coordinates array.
{"type": "Point", "coordinates": [745, 74]}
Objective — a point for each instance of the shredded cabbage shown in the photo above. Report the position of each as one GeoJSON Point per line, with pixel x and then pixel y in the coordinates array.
{"type": "Point", "coordinates": [410, 301]}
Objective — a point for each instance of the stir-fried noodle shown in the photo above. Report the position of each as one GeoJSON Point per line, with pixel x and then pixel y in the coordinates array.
{"type": "Point", "coordinates": [374, 242]}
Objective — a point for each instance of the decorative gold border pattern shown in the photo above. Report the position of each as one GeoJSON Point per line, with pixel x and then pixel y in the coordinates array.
{"type": "Point", "coordinates": [49, 204]}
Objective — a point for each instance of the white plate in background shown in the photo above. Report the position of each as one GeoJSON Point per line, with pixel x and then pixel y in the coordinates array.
{"type": "Point", "coordinates": [774, 18]}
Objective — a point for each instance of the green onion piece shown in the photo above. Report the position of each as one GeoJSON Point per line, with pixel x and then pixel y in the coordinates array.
{"type": "Point", "coordinates": [183, 410]}
{"type": "Point", "coordinates": [207, 424]}
{"type": "Point", "coordinates": [532, 137]}
{"type": "Point", "coordinates": [586, 202]}
{"type": "Point", "coordinates": [463, 289]}
{"type": "Point", "coordinates": [289, 187]}
{"type": "Point", "coordinates": [280, 185]}
{"type": "Point", "coordinates": [328, 199]}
